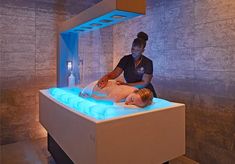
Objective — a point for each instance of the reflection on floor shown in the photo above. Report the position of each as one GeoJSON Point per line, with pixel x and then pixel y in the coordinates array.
{"type": "Point", "coordinates": [26, 152]}
{"type": "Point", "coordinates": [35, 152]}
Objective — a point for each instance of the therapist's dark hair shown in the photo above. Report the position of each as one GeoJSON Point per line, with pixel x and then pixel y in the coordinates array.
{"type": "Point", "coordinates": [141, 40]}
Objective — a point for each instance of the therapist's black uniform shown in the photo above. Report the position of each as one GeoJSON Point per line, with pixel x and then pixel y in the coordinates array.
{"type": "Point", "coordinates": [134, 74]}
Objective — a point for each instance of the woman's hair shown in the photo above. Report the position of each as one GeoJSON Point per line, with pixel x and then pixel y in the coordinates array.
{"type": "Point", "coordinates": [141, 39]}
{"type": "Point", "coordinates": [146, 96]}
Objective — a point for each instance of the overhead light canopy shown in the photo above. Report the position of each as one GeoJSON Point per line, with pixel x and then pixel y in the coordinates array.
{"type": "Point", "coordinates": [104, 13]}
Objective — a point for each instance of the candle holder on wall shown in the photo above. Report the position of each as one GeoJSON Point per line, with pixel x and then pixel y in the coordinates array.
{"type": "Point", "coordinates": [71, 77]}
{"type": "Point", "coordinates": [70, 66]}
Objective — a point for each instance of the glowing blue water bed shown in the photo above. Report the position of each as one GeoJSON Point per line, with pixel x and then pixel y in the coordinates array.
{"type": "Point", "coordinates": [98, 109]}
{"type": "Point", "coordinates": [99, 132]}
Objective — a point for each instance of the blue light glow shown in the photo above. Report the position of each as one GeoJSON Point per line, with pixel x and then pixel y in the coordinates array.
{"type": "Point", "coordinates": [108, 19]}
{"type": "Point", "coordinates": [100, 110]}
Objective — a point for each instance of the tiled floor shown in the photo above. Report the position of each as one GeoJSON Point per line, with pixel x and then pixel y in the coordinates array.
{"type": "Point", "coordinates": [26, 152]}
{"type": "Point", "coordinates": [35, 152]}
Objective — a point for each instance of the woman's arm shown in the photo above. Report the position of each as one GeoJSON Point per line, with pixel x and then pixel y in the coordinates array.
{"type": "Point", "coordinates": [110, 97]}
{"type": "Point", "coordinates": [107, 98]}
{"type": "Point", "coordinates": [112, 75]}
{"type": "Point", "coordinates": [115, 73]}
{"type": "Point", "coordinates": [141, 84]}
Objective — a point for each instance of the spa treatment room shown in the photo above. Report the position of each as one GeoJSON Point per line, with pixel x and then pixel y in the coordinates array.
{"type": "Point", "coordinates": [117, 81]}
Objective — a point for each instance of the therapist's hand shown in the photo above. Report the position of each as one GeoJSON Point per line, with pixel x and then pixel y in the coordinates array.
{"type": "Point", "coordinates": [102, 82]}
{"type": "Point", "coordinates": [119, 82]}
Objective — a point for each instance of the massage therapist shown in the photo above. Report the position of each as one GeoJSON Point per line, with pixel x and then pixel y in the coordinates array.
{"type": "Point", "coordinates": [137, 68]}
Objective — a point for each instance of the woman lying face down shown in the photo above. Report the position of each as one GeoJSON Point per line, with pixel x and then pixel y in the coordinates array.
{"type": "Point", "coordinates": [116, 93]}
{"type": "Point", "coordinates": [141, 97]}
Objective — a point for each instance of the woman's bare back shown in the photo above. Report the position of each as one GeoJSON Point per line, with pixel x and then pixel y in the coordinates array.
{"type": "Point", "coordinates": [114, 91]}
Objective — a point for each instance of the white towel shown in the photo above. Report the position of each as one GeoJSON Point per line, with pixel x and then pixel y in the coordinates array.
{"type": "Point", "coordinates": [89, 88]}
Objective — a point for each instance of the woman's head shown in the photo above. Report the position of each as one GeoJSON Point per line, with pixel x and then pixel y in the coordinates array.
{"type": "Point", "coordinates": [142, 98]}
{"type": "Point", "coordinates": [139, 44]}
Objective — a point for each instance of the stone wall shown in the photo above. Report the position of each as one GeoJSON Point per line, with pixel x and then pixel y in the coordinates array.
{"type": "Point", "coordinates": [96, 54]}
{"type": "Point", "coordinates": [28, 60]}
{"type": "Point", "coordinates": [192, 45]}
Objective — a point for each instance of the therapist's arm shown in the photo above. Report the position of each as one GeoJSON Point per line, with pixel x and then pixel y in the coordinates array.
{"type": "Point", "coordinates": [112, 75]}
{"type": "Point", "coordinates": [141, 84]}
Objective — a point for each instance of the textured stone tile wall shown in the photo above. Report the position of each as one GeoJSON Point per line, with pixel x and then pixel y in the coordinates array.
{"type": "Point", "coordinates": [28, 39]}
{"type": "Point", "coordinates": [192, 45]}
{"type": "Point", "coordinates": [96, 54]}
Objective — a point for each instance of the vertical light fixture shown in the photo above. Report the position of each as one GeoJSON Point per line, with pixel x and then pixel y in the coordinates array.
{"type": "Point", "coordinates": [102, 14]}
